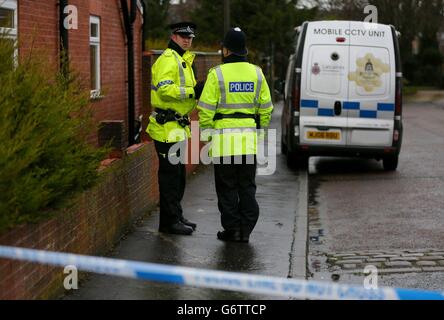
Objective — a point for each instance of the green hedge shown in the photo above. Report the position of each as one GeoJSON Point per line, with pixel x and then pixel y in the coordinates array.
{"type": "Point", "coordinates": [44, 124]}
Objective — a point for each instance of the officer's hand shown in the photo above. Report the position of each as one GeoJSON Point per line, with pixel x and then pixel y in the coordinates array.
{"type": "Point", "coordinates": [198, 89]}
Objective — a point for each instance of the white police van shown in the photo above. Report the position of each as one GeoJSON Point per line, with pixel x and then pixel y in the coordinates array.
{"type": "Point", "coordinates": [343, 93]}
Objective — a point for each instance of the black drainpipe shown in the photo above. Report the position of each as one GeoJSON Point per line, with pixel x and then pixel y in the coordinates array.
{"type": "Point", "coordinates": [144, 30]}
{"type": "Point", "coordinates": [64, 44]}
{"type": "Point", "coordinates": [129, 17]}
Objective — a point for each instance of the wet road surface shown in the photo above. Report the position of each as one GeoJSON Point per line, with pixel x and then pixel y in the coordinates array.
{"type": "Point", "coordinates": [361, 215]}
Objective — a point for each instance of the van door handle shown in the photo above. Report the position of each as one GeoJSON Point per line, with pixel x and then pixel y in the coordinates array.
{"type": "Point", "coordinates": [338, 108]}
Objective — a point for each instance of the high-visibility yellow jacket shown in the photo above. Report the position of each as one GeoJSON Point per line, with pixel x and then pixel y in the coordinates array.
{"type": "Point", "coordinates": [238, 87]}
{"type": "Point", "coordinates": [172, 87]}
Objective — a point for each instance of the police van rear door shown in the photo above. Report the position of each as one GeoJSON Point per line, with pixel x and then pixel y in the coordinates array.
{"type": "Point", "coordinates": [324, 85]}
{"type": "Point", "coordinates": [372, 76]}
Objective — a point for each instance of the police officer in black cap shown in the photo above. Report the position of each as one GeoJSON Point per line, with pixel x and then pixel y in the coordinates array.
{"type": "Point", "coordinates": [174, 94]}
{"type": "Point", "coordinates": [223, 105]}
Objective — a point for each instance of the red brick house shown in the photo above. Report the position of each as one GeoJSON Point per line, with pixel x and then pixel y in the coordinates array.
{"type": "Point", "coordinates": [95, 35]}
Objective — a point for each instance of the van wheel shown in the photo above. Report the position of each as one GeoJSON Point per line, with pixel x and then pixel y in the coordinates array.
{"type": "Point", "coordinates": [284, 149]}
{"type": "Point", "coordinates": [295, 161]}
{"type": "Point", "coordinates": [303, 162]}
{"type": "Point", "coordinates": [390, 163]}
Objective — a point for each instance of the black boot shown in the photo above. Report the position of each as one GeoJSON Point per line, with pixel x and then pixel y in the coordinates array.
{"type": "Point", "coordinates": [232, 236]}
{"type": "Point", "coordinates": [188, 223]}
{"type": "Point", "coordinates": [177, 228]}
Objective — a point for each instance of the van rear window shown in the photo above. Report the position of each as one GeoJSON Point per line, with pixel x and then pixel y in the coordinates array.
{"type": "Point", "coordinates": [327, 69]}
{"type": "Point", "coordinates": [370, 71]}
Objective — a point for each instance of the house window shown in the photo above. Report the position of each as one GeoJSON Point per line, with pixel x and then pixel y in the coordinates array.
{"type": "Point", "coordinates": [140, 6]}
{"type": "Point", "coordinates": [94, 48]}
{"type": "Point", "coordinates": [8, 24]}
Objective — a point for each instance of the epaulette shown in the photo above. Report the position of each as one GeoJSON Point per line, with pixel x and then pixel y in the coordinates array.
{"type": "Point", "coordinates": [168, 52]}
{"type": "Point", "coordinates": [213, 68]}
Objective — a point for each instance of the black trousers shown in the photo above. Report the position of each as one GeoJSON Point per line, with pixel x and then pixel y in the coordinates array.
{"type": "Point", "coordinates": [236, 193]}
{"type": "Point", "coordinates": [172, 179]}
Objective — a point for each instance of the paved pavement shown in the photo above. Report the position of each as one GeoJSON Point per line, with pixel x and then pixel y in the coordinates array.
{"type": "Point", "coordinates": [277, 247]}
{"type": "Point", "coordinates": [426, 96]}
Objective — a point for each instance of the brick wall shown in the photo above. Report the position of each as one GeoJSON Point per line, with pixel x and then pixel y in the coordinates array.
{"type": "Point", "coordinates": [113, 57]}
{"type": "Point", "coordinates": [38, 31]}
{"type": "Point", "coordinates": [38, 28]}
{"type": "Point", "coordinates": [96, 221]}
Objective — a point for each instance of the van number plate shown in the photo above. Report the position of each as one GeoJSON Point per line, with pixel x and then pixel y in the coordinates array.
{"type": "Point", "coordinates": [323, 135]}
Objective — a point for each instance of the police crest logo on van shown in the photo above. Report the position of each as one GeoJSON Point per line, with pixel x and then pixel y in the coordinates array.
{"type": "Point", "coordinates": [316, 69]}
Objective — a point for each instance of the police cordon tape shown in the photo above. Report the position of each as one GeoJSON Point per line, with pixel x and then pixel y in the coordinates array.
{"type": "Point", "coordinates": [290, 288]}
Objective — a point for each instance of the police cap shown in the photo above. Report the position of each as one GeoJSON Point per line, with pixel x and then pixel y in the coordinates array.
{"type": "Point", "coordinates": [236, 41]}
{"type": "Point", "coordinates": [186, 29]}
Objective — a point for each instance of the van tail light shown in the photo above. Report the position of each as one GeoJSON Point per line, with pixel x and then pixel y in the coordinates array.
{"type": "Point", "coordinates": [397, 130]}
{"type": "Point", "coordinates": [340, 39]}
{"type": "Point", "coordinates": [398, 98]}
{"type": "Point", "coordinates": [395, 135]}
{"type": "Point", "coordinates": [296, 95]}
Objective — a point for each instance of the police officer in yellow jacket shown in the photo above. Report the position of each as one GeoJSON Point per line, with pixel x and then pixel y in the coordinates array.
{"type": "Point", "coordinates": [174, 91]}
{"type": "Point", "coordinates": [235, 101]}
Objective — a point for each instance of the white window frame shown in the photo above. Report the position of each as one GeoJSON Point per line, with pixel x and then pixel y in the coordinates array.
{"type": "Point", "coordinates": [140, 6]}
{"type": "Point", "coordinates": [95, 41]}
{"type": "Point", "coordinates": [12, 32]}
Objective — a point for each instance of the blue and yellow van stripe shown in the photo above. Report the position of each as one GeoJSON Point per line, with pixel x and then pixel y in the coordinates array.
{"type": "Point", "coordinates": [349, 106]}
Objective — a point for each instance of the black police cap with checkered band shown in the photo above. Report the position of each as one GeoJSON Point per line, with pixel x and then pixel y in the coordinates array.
{"type": "Point", "coordinates": [184, 28]}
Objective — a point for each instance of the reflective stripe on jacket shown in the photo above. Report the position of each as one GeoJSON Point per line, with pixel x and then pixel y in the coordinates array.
{"type": "Point", "coordinates": [238, 87]}
{"type": "Point", "coordinates": [172, 87]}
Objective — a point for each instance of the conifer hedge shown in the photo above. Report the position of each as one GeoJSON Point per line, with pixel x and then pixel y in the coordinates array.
{"type": "Point", "coordinates": [45, 120]}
